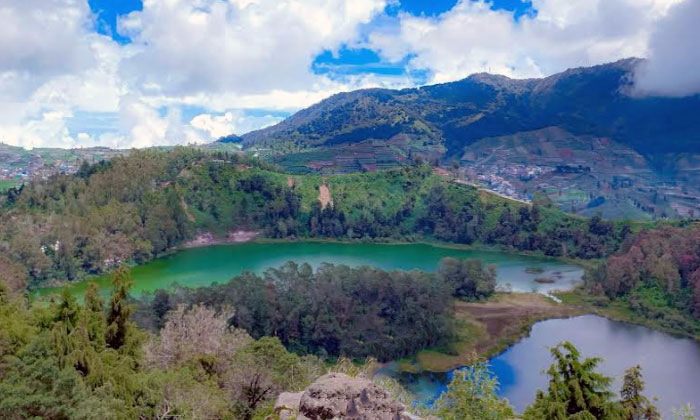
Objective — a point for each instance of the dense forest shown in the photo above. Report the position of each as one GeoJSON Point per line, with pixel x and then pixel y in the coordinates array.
{"type": "Point", "coordinates": [338, 310]}
{"type": "Point", "coordinates": [136, 207]}
{"type": "Point", "coordinates": [656, 275]}
{"type": "Point", "coordinates": [64, 360]}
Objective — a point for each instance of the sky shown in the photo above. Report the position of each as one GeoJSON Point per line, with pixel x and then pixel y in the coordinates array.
{"type": "Point", "coordinates": [139, 73]}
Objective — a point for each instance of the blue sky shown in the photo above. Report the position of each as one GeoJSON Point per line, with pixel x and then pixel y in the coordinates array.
{"type": "Point", "coordinates": [123, 73]}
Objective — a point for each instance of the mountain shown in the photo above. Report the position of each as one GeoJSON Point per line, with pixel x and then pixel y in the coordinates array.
{"type": "Point", "coordinates": [592, 109]}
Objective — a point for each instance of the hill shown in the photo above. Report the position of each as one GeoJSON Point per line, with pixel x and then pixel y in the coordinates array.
{"type": "Point", "coordinates": [592, 107]}
{"type": "Point", "coordinates": [136, 207]}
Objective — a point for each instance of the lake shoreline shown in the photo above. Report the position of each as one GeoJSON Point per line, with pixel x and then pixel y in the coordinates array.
{"type": "Point", "coordinates": [616, 311]}
{"type": "Point", "coordinates": [384, 241]}
{"type": "Point", "coordinates": [488, 328]}
{"type": "Point", "coordinates": [519, 368]}
{"type": "Point", "coordinates": [206, 239]}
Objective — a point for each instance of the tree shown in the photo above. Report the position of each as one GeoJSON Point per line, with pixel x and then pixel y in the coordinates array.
{"type": "Point", "coordinates": [635, 405]}
{"type": "Point", "coordinates": [469, 278]}
{"type": "Point", "coordinates": [260, 371]}
{"type": "Point", "coordinates": [471, 395]}
{"type": "Point", "coordinates": [192, 334]}
{"type": "Point", "coordinates": [119, 309]}
{"type": "Point", "coordinates": [94, 316]}
{"type": "Point", "coordinates": [684, 413]}
{"type": "Point", "coordinates": [575, 392]}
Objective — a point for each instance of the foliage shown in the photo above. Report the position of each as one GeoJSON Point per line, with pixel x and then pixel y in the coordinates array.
{"type": "Point", "coordinates": [684, 413]}
{"type": "Point", "coordinates": [137, 207]}
{"type": "Point", "coordinates": [635, 405]}
{"type": "Point", "coordinates": [575, 391]}
{"type": "Point", "coordinates": [60, 360]}
{"type": "Point", "coordinates": [469, 278]}
{"type": "Point", "coordinates": [471, 395]}
{"type": "Point", "coordinates": [657, 274]}
{"type": "Point", "coordinates": [334, 311]}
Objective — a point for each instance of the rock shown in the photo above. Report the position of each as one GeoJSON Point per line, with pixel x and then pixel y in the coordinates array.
{"type": "Point", "coordinates": [287, 405]}
{"type": "Point", "coordinates": [336, 395]}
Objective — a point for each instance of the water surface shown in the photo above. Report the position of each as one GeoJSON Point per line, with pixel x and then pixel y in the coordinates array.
{"type": "Point", "coordinates": [670, 365]}
{"type": "Point", "coordinates": [203, 266]}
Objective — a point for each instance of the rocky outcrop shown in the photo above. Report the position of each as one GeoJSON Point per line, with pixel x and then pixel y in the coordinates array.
{"type": "Point", "coordinates": [338, 396]}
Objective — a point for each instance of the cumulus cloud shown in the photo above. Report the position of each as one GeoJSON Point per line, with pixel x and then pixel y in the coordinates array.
{"type": "Point", "coordinates": [52, 63]}
{"type": "Point", "coordinates": [674, 56]}
{"type": "Point", "coordinates": [214, 54]}
{"type": "Point", "coordinates": [186, 47]}
{"type": "Point", "coordinates": [230, 56]}
{"type": "Point", "coordinates": [472, 37]}
{"type": "Point", "coordinates": [40, 39]}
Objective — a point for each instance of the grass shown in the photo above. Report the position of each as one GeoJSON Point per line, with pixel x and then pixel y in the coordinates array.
{"type": "Point", "coordinates": [6, 184]}
{"type": "Point", "coordinates": [461, 352]}
{"type": "Point", "coordinates": [485, 329]}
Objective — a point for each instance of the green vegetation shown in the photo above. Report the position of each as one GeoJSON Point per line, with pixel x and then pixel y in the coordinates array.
{"type": "Point", "coordinates": [67, 361]}
{"type": "Point", "coordinates": [577, 391]}
{"type": "Point", "coordinates": [6, 184]}
{"type": "Point", "coordinates": [488, 327]}
{"type": "Point", "coordinates": [653, 280]}
{"type": "Point", "coordinates": [136, 207]}
{"type": "Point", "coordinates": [337, 310]}
{"type": "Point", "coordinates": [63, 360]}
{"type": "Point", "coordinates": [471, 395]}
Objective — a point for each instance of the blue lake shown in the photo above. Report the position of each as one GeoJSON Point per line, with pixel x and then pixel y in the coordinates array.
{"type": "Point", "coordinates": [670, 365]}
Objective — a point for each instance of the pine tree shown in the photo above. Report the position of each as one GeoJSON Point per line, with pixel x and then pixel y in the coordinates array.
{"type": "Point", "coordinates": [471, 395]}
{"type": "Point", "coordinates": [575, 392]}
{"type": "Point", "coordinates": [119, 309]}
{"type": "Point", "coordinates": [94, 317]}
{"type": "Point", "coordinates": [636, 406]}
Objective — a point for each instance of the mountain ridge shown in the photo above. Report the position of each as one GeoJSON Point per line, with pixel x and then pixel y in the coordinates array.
{"type": "Point", "coordinates": [500, 105]}
{"type": "Point", "coordinates": [376, 128]}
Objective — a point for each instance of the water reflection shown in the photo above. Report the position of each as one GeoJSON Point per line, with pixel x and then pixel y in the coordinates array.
{"type": "Point", "coordinates": [670, 365]}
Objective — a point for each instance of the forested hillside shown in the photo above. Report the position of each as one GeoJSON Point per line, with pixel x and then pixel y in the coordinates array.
{"type": "Point", "coordinates": [580, 136]}
{"type": "Point", "coordinates": [137, 207]}
{"type": "Point", "coordinates": [656, 276]}
{"type": "Point", "coordinates": [589, 100]}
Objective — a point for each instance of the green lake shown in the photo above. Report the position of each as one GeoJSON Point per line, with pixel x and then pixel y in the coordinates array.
{"type": "Point", "coordinates": [202, 266]}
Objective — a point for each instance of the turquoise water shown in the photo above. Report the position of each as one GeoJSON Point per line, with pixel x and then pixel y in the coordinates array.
{"type": "Point", "coordinates": [203, 266]}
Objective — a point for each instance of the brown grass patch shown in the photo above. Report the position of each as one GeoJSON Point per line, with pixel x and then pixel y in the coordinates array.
{"type": "Point", "coordinates": [487, 328]}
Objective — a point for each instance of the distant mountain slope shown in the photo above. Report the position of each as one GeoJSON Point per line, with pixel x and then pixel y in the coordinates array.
{"type": "Point", "coordinates": [375, 128]}
{"type": "Point", "coordinates": [591, 100]}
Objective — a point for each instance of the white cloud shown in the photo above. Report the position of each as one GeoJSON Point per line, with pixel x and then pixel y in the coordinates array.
{"type": "Point", "coordinates": [184, 47]}
{"type": "Point", "coordinates": [229, 56]}
{"type": "Point", "coordinates": [473, 38]}
{"type": "Point", "coordinates": [214, 54]}
{"type": "Point", "coordinates": [674, 56]}
{"type": "Point", "coordinates": [232, 122]}
{"type": "Point", "coordinates": [40, 39]}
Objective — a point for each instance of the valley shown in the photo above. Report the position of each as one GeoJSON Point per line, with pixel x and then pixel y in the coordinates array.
{"type": "Point", "coordinates": [349, 210]}
{"type": "Point", "coordinates": [410, 277]}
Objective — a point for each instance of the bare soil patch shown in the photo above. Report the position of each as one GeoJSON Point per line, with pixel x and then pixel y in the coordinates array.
{"type": "Point", "coordinates": [324, 195]}
{"type": "Point", "coordinates": [233, 237]}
